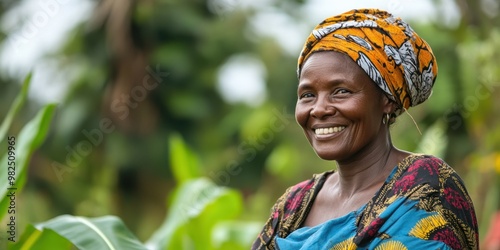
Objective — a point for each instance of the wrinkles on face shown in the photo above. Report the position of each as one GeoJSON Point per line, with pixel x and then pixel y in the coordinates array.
{"type": "Point", "coordinates": [337, 97]}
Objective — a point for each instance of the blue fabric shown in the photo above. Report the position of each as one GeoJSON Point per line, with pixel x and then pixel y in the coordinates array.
{"type": "Point", "coordinates": [402, 216]}
{"type": "Point", "coordinates": [316, 237]}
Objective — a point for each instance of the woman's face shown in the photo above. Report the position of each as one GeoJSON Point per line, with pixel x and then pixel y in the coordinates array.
{"type": "Point", "coordinates": [339, 107]}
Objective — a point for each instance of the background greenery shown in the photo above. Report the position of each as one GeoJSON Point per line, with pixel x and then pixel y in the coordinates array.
{"type": "Point", "coordinates": [182, 167]}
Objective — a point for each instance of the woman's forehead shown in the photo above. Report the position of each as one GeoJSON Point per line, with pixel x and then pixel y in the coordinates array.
{"type": "Point", "coordinates": [330, 65]}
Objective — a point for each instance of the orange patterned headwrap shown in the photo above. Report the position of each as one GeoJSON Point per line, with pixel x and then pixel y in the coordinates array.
{"type": "Point", "coordinates": [386, 48]}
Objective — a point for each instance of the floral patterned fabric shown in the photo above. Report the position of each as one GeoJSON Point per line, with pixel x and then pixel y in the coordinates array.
{"type": "Point", "coordinates": [399, 61]}
{"type": "Point", "coordinates": [423, 202]}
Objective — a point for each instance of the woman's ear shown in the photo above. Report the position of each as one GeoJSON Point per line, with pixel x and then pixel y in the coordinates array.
{"type": "Point", "coordinates": [389, 106]}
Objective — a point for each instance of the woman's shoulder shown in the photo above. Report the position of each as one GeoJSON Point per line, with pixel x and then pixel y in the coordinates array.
{"type": "Point", "coordinates": [429, 172]}
{"type": "Point", "coordinates": [426, 165]}
{"type": "Point", "coordinates": [414, 159]}
{"type": "Point", "coordinates": [428, 177]}
{"type": "Point", "coordinates": [316, 179]}
{"type": "Point", "coordinates": [296, 193]}
{"type": "Point", "coordinates": [296, 199]}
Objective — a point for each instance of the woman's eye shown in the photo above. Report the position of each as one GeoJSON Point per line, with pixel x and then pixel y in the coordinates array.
{"type": "Point", "coordinates": [342, 91]}
{"type": "Point", "coordinates": [306, 95]}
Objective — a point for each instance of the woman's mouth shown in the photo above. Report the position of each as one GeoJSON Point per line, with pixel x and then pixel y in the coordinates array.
{"type": "Point", "coordinates": [329, 130]}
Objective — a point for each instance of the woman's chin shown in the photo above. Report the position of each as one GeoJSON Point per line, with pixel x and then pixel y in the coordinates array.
{"type": "Point", "coordinates": [327, 156]}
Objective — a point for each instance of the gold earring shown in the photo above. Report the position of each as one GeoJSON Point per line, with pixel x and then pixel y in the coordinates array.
{"type": "Point", "coordinates": [386, 118]}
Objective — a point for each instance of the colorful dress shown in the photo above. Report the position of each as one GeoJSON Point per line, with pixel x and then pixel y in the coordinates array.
{"type": "Point", "coordinates": [422, 204]}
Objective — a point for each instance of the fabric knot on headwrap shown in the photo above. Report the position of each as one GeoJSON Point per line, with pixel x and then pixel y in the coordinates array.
{"type": "Point", "coordinates": [386, 48]}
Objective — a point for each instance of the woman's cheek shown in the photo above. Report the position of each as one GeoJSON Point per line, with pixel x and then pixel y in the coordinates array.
{"type": "Point", "coordinates": [301, 114]}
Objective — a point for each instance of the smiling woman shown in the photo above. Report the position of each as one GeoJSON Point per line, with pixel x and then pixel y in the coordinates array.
{"type": "Point", "coordinates": [357, 72]}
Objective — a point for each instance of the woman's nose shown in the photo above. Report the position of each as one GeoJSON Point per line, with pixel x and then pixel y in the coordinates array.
{"type": "Point", "coordinates": [322, 108]}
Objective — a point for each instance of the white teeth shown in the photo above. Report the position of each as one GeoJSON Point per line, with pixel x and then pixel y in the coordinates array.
{"type": "Point", "coordinates": [331, 130]}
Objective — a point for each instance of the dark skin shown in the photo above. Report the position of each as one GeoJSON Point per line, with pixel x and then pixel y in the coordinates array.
{"type": "Point", "coordinates": [340, 110]}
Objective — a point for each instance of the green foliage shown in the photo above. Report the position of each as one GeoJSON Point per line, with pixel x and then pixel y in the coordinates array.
{"type": "Point", "coordinates": [35, 239]}
{"type": "Point", "coordinates": [479, 112]}
{"type": "Point", "coordinates": [16, 107]}
{"type": "Point", "coordinates": [196, 208]}
{"type": "Point", "coordinates": [21, 147]}
{"type": "Point", "coordinates": [30, 138]}
{"type": "Point", "coordinates": [184, 163]}
{"type": "Point", "coordinates": [198, 205]}
{"type": "Point", "coordinates": [107, 232]}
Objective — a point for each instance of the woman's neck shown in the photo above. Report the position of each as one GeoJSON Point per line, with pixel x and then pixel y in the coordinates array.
{"type": "Point", "coordinates": [369, 168]}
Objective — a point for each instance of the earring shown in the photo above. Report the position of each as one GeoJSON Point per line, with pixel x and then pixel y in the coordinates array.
{"type": "Point", "coordinates": [386, 118]}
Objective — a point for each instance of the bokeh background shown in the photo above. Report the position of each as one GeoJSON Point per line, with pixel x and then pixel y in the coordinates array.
{"type": "Point", "coordinates": [134, 78]}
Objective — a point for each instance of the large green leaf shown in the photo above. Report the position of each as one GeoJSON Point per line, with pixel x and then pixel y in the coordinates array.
{"type": "Point", "coordinates": [34, 239]}
{"type": "Point", "coordinates": [16, 106]}
{"type": "Point", "coordinates": [196, 207]}
{"type": "Point", "coordinates": [184, 163]}
{"type": "Point", "coordinates": [30, 138]}
{"type": "Point", "coordinates": [101, 233]}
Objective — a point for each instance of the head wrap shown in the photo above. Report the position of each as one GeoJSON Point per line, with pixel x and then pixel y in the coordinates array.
{"type": "Point", "coordinates": [386, 48]}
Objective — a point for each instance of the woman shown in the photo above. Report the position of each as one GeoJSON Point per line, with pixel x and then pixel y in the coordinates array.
{"type": "Point", "coordinates": [357, 72]}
